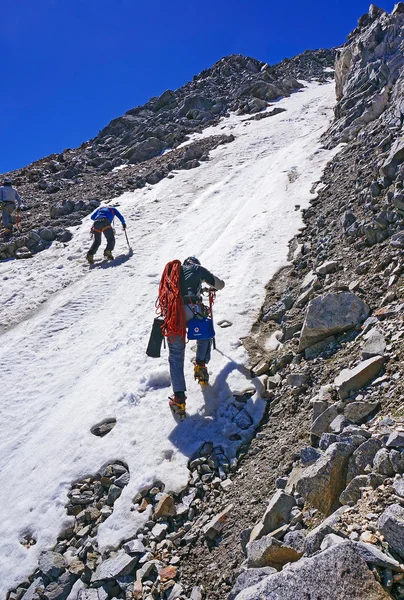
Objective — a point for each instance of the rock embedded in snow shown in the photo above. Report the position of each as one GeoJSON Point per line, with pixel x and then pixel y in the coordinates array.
{"type": "Point", "coordinates": [51, 564]}
{"type": "Point", "coordinates": [331, 314]}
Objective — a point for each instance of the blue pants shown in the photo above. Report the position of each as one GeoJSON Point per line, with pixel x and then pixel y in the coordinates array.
{"type": "Point", "coordinates": [8, 209]}
{"type": "Point", "coordinates": [176, 356]}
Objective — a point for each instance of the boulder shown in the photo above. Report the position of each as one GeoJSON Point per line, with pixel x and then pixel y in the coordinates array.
{"type": "Point", "coordinates": [391, 525]}
{"type": "Point", "coordinates": [382, 463]}
{"type": "Point", "coordinates": [396, 440]}
{"type": "Point", "coordinates": [339, 573]}
{"type": "Point", "coordinates": [248, 578]}
{"type": "Point", "coordinates": [51, 564]}
{"type": "Point", "coordinates": [276, 514]}
{"type": "Point", "coordinates": [353, 492]}
{"type": "Point", "coordinates": [374, 345]}
{"type": "Point", "coordinates": [322, 423]}
{"type": "Point", "coordinates": [117, 566]}
{"type": "Point", "coordinates": [357, 412]}
{"type": "Point", "coordinates": [396, 156]}
{"type": "Point", "coordinates": [315, 537]}
{"type": "Point", "coordinates": [362, 457]}
{"type": "Point", "coordinates": [270, 552]}
{"type": "Point", "coordinates": [322, 483]}
{"type": "Point", "coordinates": [351, 380]}
{"type": "Point", "coordinates": [331, 314]}
{"type": "Point", "coordinates": [145, 150]}
{"type": "Point", "coordinates": [374, 556]}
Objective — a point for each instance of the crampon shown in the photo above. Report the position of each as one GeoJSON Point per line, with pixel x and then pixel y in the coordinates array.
{"type": "Point", "coordinates": [177, 406]}
{"type": "Point", "coordinates": [201, 374]}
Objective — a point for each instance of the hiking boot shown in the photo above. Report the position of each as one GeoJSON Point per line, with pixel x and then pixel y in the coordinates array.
{"type": "Point", "coordinates": [90, 258]}
{"type": "Point", "coordinates": [201, 374]}
{"type": "Point", "coordinates": [108, 254]}
{"type": "Point", "coordinates": [177, 405]}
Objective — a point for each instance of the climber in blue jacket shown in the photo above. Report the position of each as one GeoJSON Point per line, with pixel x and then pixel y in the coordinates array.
{"type": "Point", "coordinates": [103, 218]}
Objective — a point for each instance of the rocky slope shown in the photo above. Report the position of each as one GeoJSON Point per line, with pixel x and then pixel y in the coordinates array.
{"type": "Point", "coordinates": [131, 151]}
{"type": "Point", "coordinates": [314, 507]}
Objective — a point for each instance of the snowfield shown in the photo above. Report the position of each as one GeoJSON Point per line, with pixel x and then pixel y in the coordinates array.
{"type": "Point", "coordinates": [75, 352]}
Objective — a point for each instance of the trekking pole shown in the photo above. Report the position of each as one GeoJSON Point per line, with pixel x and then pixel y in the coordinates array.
{"type": "Point", "coordinates": [212, 295]}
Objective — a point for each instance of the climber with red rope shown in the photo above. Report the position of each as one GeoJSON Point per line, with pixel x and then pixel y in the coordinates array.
{"type": "Point", "coordinates": [178, 302]}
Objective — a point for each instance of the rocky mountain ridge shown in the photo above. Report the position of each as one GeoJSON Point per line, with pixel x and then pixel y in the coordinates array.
{"type": "Point", "coordinates": [314, 507]}
{"type": "Point", "coordinates": [141, 147]}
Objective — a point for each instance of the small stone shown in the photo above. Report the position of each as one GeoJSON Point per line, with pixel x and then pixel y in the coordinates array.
{"type": "Point", "coordinates": [217, 524]}
{"type": "Point", "coordinates": [165, 507]}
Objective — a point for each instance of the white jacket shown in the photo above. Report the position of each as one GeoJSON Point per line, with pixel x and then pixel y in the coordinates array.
{"type": "Point", "coordinates": [9, 194]}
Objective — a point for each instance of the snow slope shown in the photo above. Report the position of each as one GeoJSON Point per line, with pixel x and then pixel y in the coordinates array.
{"type": "Point", "coordinates": [75, 354]}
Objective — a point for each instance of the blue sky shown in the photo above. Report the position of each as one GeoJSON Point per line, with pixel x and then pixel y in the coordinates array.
{"type": "Point", "coordinates": [69, 67]}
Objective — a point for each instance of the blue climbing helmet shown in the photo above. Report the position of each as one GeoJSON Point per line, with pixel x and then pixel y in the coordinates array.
{"type": "Point", "coordinates": [191, 260]}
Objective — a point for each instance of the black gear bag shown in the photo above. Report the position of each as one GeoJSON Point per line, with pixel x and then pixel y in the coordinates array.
{"type": "Point", "coordinates": [156, 339]}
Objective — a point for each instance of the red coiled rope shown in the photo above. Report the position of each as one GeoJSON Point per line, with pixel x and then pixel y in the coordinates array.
{"type": "Point", "coordinates": [170, 303]}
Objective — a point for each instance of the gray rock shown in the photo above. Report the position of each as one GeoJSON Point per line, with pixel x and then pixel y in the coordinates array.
{"type": "Point", "coordinates": [339, 424]}
{"type": "Point", "coordinates": [296, 539]}
{"type": "Point", "coordinates": [119, 565]}
{"type": "Point", "coordinates": [374, 556]}
{"type": "Point", "coordinates": [309, 455]}
{"type": "Point", "coordinates": [243, 419]}
{"type": "Point", "coordinates": [382, 463]}
{"type": "Point", "coordinates": [331, 266]}
{"type": "Point", "coordinates": [374, 345]}
{"type": "Point", "coordinates": [322, 423]}
{"type": "Point", "coordinates": [398, 485]}
{"type": "Point", "coordinates": [396, 440]}
{"type": "Point", "coordinates": [276, 514]}
{"type": "Point", "coordinates": [47, 235]}
{"type": "Point", "coordinates": [51, 564]}
{"type": "Point", "coordinates": [320, 577]}
{"type": "Point", "coordinates": [134, 547]}
{"type": "Point", "coordinates": [362, 457]}
{"type": "Point", "coordinates": [270, 552]}
{"type": "Point", "coordinates": [36, 585]}
{"type": "Point", "coordinates": [331, 314]}
{"type": "Point", "coordinates": [113, 494]}
{"type": "Point", "coordinates": [391, 525]}
{"type": "Point", "coordinates": [89, 594]}
{"type": "Point", "coordinates": [159, 531]}
{"type": "Point", "coordinates": [353, 491]}
{"type": "Point", "coordinates": [358, 412]}
{"type": "Point", "coordinates": [315, 537]}
{"type": "Point", "coordinates": [248, 578]}
{"type": "Point", "coordinates": [351, 380]}
{"type": "Point", "coordinates": [322, 483]}
{"type": "Point", "coordinates": [397, 460]}
{"type": "Point", "coordinates": [397, 240]}
{"type": "Point", "coordinates": [331, 540]}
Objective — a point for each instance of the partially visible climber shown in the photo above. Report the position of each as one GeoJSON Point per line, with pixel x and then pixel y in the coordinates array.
{"type": "Point", "coordinates": [9, 198]}
{"type": "Point", "coordinates": [103, 218]}
{"type": "Point", "coordinates": [179, 300]}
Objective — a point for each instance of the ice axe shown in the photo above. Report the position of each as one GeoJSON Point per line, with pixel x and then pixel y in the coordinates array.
{"type": "Point", "coordinates": [127, 241]}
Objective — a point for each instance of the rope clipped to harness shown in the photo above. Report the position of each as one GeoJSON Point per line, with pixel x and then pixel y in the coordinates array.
{"type": "Point", "coordinates": [170, 303]}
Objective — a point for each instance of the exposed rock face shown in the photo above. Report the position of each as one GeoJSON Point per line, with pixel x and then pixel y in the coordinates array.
{"type": "Point", "coordinates": [368, 75]}
{"type": "Point", "coordinates": [338, 573]}
{"type": "Point", "coordinates": [331, 314]}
